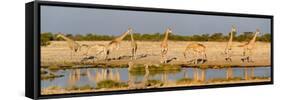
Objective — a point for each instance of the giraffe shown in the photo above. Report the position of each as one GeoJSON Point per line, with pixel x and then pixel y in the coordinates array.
{"type": "Point", "coordinates": [229, 44]}
{"type": "Point", "coordinates": [73, 46]}
{"type": "Point", "coordinates": [196, 49]}
{"type": "Point", "coordinates": [134, 46]}
{"type": "Point", "coordinates": [115, 43]}
{"type": "Point", "coordinates": [99, 49]}
{"type": "Point", "coordinates": [248, 48]}
{"type": "Point", "coordinates": [164, 46]}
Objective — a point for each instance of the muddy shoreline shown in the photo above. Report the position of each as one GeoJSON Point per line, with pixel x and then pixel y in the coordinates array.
{"type": "Point", "coordinates": [47, 91]}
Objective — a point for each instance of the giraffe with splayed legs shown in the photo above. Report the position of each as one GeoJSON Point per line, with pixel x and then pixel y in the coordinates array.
{"type": "Point", "coordinates": [197, 50]}
{"type": "Point", "coordinates": [164, 46]}
{"type": "Point", "coordinates": [115, 43]}
{"type": "Point", "coordinates": [229, 45]}
{"type": "Point", "coordinates": [248, 48]}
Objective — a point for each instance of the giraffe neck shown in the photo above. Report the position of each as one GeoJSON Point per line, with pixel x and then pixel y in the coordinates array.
{"type": "Point", "coordinates": [230, 39]}
{"type": "Point", "coordinates": [166, 36]}
{"type": "Point", "coordinates": [132, 37]}
{"type": "Point", "coordinates": [120, 38]}
{"type": "Point", "coordinates": [65, 38]}
{"type": "Point", "coordinates": [254, 38]}
{"type": "Point", "coordinates": [231, 36]}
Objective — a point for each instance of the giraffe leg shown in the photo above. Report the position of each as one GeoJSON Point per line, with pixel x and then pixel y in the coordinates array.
{"type": "Point", "coordinates": [117, 48]}
{"type": "Point", "coordinates": [226, 52]}
{"type": "Point", "coordinates": [247, 56]}
{"type": "Point", "coordinates": [228, 56]}
{"type": "Point", "coordinates": [71, 54]}
{"type": "Point", "coordinates": [250, 56]}
{"type": "Point", "coordinates": [200, 54]}
{"type": "Point", "coordinates": [204, 57]}
{"type": "Point", "coordinates": [184, 54]}
{"type": "Point", "coordinates": [244, 56]}
{"type": "Point", "coordinates": [196, 58]}
{"type": "Point", "coordinates": [193, 58]}
{"type": "Point", "coordinates": [132, 54]}
{"type": "Point", "coordinates": [107, 54]}
{"type": "Point", "coordinates": [135, 53]}
{"type": "Point", "coordinates": [161, 55]}
{"type": "Point", "coordinates": [165, 55]}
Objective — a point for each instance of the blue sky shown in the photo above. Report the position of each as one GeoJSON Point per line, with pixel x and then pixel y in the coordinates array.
{"type": "Point", "coordinates": [113, 22]}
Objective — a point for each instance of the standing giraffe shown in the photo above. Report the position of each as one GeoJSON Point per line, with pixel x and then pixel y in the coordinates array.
{"type": "Point", "coordinates": [248, 48]}
{"type": "Point", "coordinates": [229, 44]}
{"type": "Point", "coordinates": [73, 46]}
{"type": "Point", "coordinates": [115, 43]}
{"type": "Point", "coordinates": [197, 50]}
{"type": "Point", "coordinates": [134, 47]}
{"type": "Point", "coordinates": [164, 46]}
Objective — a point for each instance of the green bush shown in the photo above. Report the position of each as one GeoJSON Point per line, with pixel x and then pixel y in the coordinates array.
{"type": "Point", "coordinates": [139, 70]}
{"type": "Point", "coordinates": [86, 87]}
{"type": "Point", "coordinates": [184, 80]}
{"type": "Point", "coordinates": [50, 76]}
{"type": "Point", "coordinates": [154, 83]}
{"type": "Point", "coordinates": [110, 84]}
{"type": "Point", "coordinates": [245, 36]}
{"type": "Point", "coordinates": [45, 38]}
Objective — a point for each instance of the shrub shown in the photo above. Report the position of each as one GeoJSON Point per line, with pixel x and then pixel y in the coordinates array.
{"type": "Point", "coordinates": [154, 83]}
{"type": "Point", "coordinates": [245, 36]}
{"type": "Point", "coordinates": [110, 84]}
{"type": "Point", "coordinates": [184, 81]}
{"type": "Point", "coordinates": [45, 38]}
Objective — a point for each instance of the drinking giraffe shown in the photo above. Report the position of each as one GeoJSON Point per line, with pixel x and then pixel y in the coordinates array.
{"type": "Point", "coordinates": [197, 50]}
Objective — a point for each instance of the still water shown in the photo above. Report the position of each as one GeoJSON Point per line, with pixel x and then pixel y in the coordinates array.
{"type": "Point", "coordinates": [91, 76]}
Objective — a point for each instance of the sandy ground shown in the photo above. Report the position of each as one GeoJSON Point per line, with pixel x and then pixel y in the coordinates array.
{"type": "Point", "coordinates": [58, 53]}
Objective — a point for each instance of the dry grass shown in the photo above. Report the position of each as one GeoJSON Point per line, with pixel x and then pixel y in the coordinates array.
{"type": "Point", "coordinates": [58, 53]}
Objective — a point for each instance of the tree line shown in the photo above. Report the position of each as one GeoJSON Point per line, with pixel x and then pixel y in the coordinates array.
{"type": "Point", "coordinates": [220, 37]}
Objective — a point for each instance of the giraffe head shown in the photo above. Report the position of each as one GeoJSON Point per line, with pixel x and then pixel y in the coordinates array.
{"type": "Point", "coordinates": [130, 30]}
{"type": "Point", "coordinates": [258, 31]}
{"type": "Point", "coordinates": [233, 29]}
{"type": "Point", "coordinates": [169, 30]}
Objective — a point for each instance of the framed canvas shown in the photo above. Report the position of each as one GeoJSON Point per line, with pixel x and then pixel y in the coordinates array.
{"type": "Point", "coordinates": [78, 49]}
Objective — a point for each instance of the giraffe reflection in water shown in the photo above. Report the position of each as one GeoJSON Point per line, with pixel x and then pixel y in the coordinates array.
{"type": "Point", "coordinates": [103, 74]}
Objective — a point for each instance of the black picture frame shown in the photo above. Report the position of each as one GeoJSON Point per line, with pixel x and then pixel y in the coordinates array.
{"type": "Point", "coordinates": [32, 70]}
